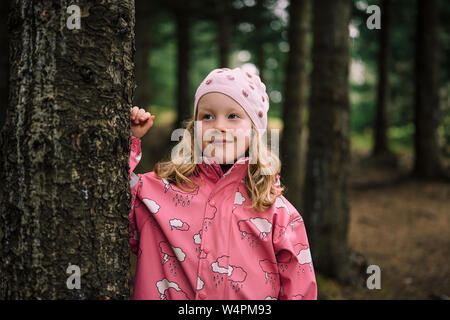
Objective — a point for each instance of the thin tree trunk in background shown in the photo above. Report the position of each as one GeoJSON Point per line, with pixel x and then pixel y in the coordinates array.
{"type": "Point", "coordinates": [427, 162]}
{"type": "Point", "coordinates": [260, 61]}
{"type": "Point", "coordinates": [183, 26]}
{"type": "Point", "coordinates": [143, 33]}
{"type": "Point", "coordinates": [64, 197]}
{"type": "Point", "coordinates": [295, 93]}
{"type": "Point", "coordinates": [4, 65]}
{"type": "Point", "coordinates": [326, 209]}
{"type": "Point", "coordinates": [380, 128]}
{"type": "Point", "coordinates": [259, 48]}
{"type": "Point", "coordinates": [225, 31]}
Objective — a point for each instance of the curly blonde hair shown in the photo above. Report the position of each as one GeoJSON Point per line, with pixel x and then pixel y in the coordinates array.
{"type": "Point", "coordinates": [262, 188]}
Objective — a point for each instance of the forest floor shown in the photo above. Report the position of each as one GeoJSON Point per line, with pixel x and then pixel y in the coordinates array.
{"type": "Point", "coordinates": [400, 224]}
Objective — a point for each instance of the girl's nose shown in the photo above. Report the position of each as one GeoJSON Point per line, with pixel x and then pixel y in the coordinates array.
{"type": "Point", "coordinates": [220, 124]}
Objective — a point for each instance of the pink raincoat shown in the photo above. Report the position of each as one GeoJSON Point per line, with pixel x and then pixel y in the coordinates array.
{"type": "Point", "coordinates": [207, 245]}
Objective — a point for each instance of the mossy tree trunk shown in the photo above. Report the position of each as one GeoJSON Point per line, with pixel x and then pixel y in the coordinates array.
{"type": "Point", "coordinates": [427, 163]}
{"type": "Point", "coordinates": [4, 65]}
{"type": "Point", "coordinates": [381, 123]}
{"type": "Point", "coordinates": [64, 197]}
{"type": "Point", "coordinates": [296, 83]}
{"type": "Point", "coordinates": [144, 14]}
{"type": "Point", "coordinates": [326, 209]}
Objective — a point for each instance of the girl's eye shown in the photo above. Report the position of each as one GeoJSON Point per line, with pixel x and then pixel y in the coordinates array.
{"type": "Point", "coordinates": [233, 116]}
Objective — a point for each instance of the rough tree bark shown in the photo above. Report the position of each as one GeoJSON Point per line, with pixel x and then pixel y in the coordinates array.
{"type": "Point", "coordinates": [64, 196]}
{"type": "Point", "coordinates": [427, 162]}
{"type": "Point", "coordinates": [4, 65]}
{"type": "Point", "coordinates": [295, 99]}
{"type": "Point", "coordinates": [144, 10]}
{"type": "Point", "coordinates": [326, 209]}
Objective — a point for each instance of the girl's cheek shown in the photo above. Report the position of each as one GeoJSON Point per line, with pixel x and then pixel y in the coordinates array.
{"type": "Point", "coordinates": [201, 132]}
{"type": "Point", "coordinates": [199, 140]}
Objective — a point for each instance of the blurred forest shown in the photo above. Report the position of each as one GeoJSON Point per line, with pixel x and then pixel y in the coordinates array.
{"type": "Point", "coordinates": [364, 115]}
{"type": "Point", "coordinates": [259, 41]}
{"type": "Point", "coordinates": [398, 216]}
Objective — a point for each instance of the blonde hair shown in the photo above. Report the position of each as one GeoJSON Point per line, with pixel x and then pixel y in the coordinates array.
{"type": "Point", "coordinates": [261, 187]}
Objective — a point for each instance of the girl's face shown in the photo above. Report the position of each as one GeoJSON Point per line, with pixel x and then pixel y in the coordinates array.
{"type": "Point", "coordinates": [225, 127]}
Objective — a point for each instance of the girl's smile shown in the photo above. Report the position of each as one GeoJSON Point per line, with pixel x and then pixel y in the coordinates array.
{"type": "Point", "coordinates": [223, 141]}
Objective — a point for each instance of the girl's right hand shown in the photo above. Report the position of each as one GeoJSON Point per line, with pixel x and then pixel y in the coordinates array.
{"type": "Point", "coordinates": [141, 122]}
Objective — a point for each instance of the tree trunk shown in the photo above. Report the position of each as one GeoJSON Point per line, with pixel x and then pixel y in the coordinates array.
{"type": "Point", "coordinates": [260, 61]}
{"type": "Point", "coordinates": [143, 32]}
{"type": "Point", "coordinates": [295, 98]}
{"type": "Point", "coordinates": [225, 30]}
{"type": "Point", "coordinates": [183, 25]}
{"type": "Point", "coordinates": [260, 58]}
{"type": "Point", "coordinates": [326, 209]}
{"type": "Point", "coordinates": [380, 128]}
{"type": "Point", "coordinates": [4, 65]}
{"type": "Point", "coordinates": [64, 197]}
{"type": "Point", "coordinates": [427, 161]}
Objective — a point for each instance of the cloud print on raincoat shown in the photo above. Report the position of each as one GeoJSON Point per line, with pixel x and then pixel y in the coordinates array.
{"type": "Point", "coordinates": [208, 245]}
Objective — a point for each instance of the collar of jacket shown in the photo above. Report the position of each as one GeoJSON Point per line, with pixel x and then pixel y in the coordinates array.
{"type": "Point", "coordinates": [209, 168]}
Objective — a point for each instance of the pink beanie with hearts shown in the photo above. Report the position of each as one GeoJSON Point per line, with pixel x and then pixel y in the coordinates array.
{"type": "Point", "coordinates": [244, 87]}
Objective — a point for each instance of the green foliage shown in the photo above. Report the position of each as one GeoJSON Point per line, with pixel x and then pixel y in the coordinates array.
{"type": "Point", "coordinates": [401, 70]}
{"type": "Point", "coordinates": [362, 140]}
{"type": "Point", "coordinates": [205, 50]}
{"type": "Point", "coordinates": [260, 31]}
{"type": "Point", "coordinates": [163, 62]}
{"type": "Point", "coordinates": [400, 137]}
{"type": "Point", "coordinates": [362, 98]}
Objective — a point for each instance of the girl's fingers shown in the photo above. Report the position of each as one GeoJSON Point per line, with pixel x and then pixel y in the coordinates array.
{"type": "Point", "coordinates": [140, 115]}
{"type": "Point", "coordinates": [141, 118]}
{"type": "Point", "coordinates": [145, 116]}
{"type": "Point", "coordinates": [137, 117]}
{"type": "Point", "coordinates": [149, 123]}
{"type": "Point", "coordinates": [134, 111]}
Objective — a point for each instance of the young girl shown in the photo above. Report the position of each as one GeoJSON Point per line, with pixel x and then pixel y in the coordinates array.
{"type": "Point", "coordinates": [212, 223]}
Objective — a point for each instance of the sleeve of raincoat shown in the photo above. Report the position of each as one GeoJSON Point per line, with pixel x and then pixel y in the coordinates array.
{"type": "Point", "coordinates": [293, 256]}
{"type": "Point", "coordinates": [135, 186]}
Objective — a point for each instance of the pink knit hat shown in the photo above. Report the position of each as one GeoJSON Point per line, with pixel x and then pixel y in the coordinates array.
{"type": "Point", "coordinates": [244, 87]}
